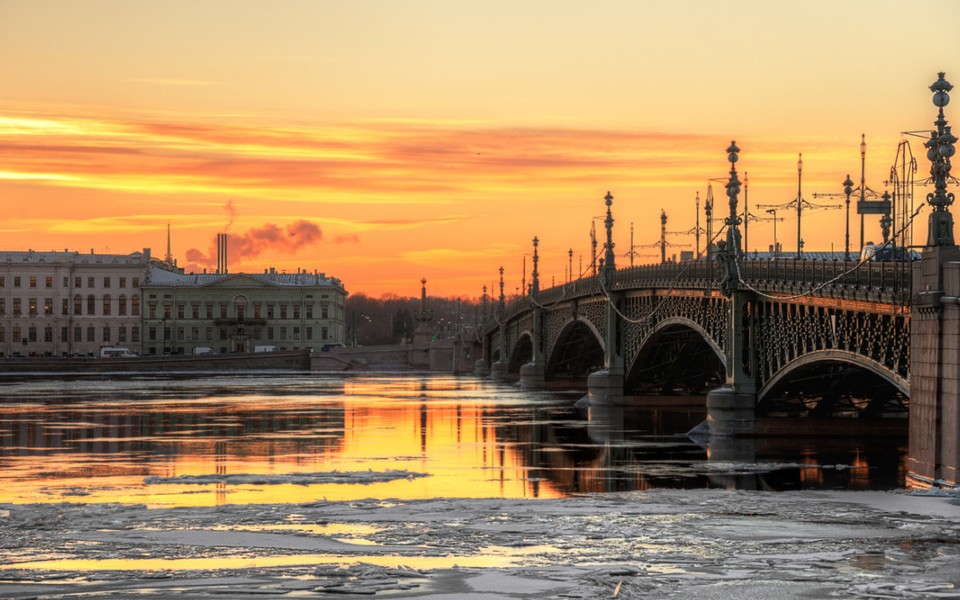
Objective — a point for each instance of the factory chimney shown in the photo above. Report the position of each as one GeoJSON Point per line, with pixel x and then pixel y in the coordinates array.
{"type": "Point", "coordinates": [222, 253]}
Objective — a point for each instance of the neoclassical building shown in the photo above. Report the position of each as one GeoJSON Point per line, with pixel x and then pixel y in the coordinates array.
{"type": "Point", "coordinates": [66, 303]}
{"type": "Point", "coordinates": [236, 312]}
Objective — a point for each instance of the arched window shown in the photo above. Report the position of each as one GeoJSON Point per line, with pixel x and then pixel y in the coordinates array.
{"type": "Point", "coordinates": [78, 304]}
{"type": "Point", "coordinates": [122, 306]}
{"type": "Point", "coordinates": [106, 304]}
{"type": "Point", "coordinates": [135, 306]}
{"type": "Point", "coordinates": [240, 306]}
{"type": "Point", "coordinates": [91, 305]}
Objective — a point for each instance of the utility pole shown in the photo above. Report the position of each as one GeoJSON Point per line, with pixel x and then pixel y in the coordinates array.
{"type": "Point", "coordinates": [800, 203]}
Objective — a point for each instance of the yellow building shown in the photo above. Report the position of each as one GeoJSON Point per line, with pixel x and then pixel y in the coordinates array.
{"type": "Point", "coordinates": [241, 312]}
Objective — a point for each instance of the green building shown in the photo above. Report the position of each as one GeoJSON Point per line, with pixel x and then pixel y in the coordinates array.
{"type": "Point", "coordinates": [241, 312]}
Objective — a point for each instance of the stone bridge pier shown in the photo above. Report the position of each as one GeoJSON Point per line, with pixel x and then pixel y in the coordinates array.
{"type": "Point", "coordinates": [934, 456]}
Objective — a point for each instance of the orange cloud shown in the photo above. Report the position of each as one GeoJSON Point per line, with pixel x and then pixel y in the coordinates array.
{"type": "Point", "coordinates": [409, 186]}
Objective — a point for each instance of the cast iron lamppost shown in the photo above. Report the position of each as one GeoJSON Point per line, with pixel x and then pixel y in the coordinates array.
{"type": "Point", "coordinates": [663, 236]}
{"type": "Point", "coordinates": [847, 189]}
{"type": "Point", "coordinates": [730, 249]}
{"type": "Point", "coordinates": [535, 284]}
{"type": "Point", "coordinates": [609, 265]}
{"type": "Point", "coordinates": [939, 150]}
{"type": "Point", "coordinates": [799, 203]}
{"type": "Point", "coordinates": [733, 189]}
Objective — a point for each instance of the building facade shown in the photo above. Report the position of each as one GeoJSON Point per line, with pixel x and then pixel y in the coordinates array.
{"type": "Point", "coordinates": [68, 303]}
{"type": "Point", "coordinates": [237, 312]}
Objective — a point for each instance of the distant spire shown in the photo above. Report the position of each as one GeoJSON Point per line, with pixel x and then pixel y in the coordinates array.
{"type": "Point", "coordinates": [169, 258]}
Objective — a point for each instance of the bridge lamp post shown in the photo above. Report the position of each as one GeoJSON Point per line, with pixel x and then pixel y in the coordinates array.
{"type": "Point", "coordinates": [847, 189]}
{"type": "Point", "coordinates": [733, 190]}
{"type": "Point", "coordinates": [799, 202]}
{"type": "Point", "coordinates": [535, 284]}
{"type": "Point", "coordinates": [939, 151]}
{"type": "Point", "coordinates": [570, 267]}
{"type": "Point", "coordinates": [501, 307]}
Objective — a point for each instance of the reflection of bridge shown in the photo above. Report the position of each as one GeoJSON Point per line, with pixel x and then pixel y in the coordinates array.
{"type": "Point", "coordinates": [766, 337]}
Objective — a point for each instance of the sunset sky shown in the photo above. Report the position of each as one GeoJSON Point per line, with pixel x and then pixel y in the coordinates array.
{"type": "Point", "coordinates": [382, 142]}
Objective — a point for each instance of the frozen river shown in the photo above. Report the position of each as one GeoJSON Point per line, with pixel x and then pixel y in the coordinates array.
{"type": "Point", "coordinates": [424, 485]}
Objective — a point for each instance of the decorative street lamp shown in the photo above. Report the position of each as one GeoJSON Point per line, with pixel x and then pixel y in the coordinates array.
{"type": "Point", "coordinates": [609, 259]}
{"type": "Point", "coordinates": [570, 269]}
{"type": "Point", "coordinates": [847, 189]}
{"type": "Point", "coordinates": [535, 285]}
{"type": "Point", "coordinates": [733, 190]}
{"type": "Point", "coordinates": [501, 307]}
{"type": "Point", "coordinates": [939, 150]}
{"type": "Point", "coordinates": [729, 253]}
{"type": "Point", "coordinates": [663, 236]}
{"type": "Point", "coordinates": [708, 213]}
{"type": "Point", "coordinates": [483, 306]}
{"type": "Point", "coordinates": [799, 202]}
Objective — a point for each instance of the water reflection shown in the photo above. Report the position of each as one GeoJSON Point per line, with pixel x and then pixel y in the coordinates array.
{"type": "Point", "coordinates": [98, 440]}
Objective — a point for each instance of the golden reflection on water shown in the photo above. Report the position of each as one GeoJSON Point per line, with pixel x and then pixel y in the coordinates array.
{"type": "Point", "coordinates": [487, 558]}
{"type": "Point", "coordinates": [102, 451]}
{"type": "Point", "coordinates": [94, 442]}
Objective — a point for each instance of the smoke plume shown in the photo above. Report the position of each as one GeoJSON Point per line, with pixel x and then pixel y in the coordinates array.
{"type": "Point", "coordinates": [231, 214]}
{"type": "Point", "coordinates": [256, 241]}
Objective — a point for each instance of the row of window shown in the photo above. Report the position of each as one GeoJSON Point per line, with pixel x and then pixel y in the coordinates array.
{"type": "Point", "coordinates": [240, 311]}
{"type": "Point", "coordinates": [106, 334]}
{"type": "Point", "coordinates": [106, 306]}
{"type": "Point", "coordinates": [193, 334]}
{"type": "Point", "coordinates": [33, 281]}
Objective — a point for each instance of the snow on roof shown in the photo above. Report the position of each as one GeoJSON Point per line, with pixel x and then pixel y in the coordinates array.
{"type": "Point", "coordinates": [163, 278]}
{"type": "Point", "coordinates": [68, 257]}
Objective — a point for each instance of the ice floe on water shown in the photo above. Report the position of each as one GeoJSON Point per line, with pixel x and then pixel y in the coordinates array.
{"type": "Point", "coordinates": [655, 544]}
{"type": "Point", "coordinates": [356, 477]}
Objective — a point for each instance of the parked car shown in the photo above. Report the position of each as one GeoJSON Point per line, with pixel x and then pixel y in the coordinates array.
{"type": "Point", "coordinates": [117, 353]}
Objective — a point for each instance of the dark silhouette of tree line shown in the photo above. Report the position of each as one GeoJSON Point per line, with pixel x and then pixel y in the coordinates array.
{"type": "Point", "coordinates": [392, 319]}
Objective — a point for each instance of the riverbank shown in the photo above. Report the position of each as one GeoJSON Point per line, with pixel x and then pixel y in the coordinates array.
{"type": "Point", "coordinates": [290, 360]}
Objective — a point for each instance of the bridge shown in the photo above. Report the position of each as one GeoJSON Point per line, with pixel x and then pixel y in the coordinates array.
{"type": "Point", "coordinates": [668, 327]}
{"type": "Point", "coordinates": [797, 339]}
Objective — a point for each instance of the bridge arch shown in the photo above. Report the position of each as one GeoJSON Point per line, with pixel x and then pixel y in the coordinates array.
{"type": "Point", "coordinates": [522, 352]}
{"type": "Point", "coordinates": [577, 352]}
{"type": "Point", "coordinates": [846, 370]}
{"type": "Point", "coordinates": [677, 353]}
